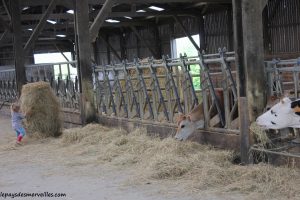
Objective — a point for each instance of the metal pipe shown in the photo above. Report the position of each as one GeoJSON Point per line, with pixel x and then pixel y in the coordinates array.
{"type": "Point", "coordinates": [274, 152]}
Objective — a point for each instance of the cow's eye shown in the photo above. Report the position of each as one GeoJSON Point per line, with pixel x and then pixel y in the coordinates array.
{"type": "Point", "coordinates": [182, 126]}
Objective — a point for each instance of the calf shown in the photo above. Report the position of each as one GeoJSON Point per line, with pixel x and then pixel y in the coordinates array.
{"type": "Point", "coordinates": [188, 123]}
{"type": "Point", "coordinates": [284, 114]}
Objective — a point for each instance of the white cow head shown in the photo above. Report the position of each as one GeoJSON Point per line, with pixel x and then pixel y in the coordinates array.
{"type": "Point", "coordinates": [186, 126]}
{"type": "Point", "coordinates": [282, 115]}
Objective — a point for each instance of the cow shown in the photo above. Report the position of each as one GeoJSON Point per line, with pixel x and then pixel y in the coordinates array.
{"type": "Point", "coordinates": [188, 123]}
{"type": "Point", "coordinates": [286, 113]}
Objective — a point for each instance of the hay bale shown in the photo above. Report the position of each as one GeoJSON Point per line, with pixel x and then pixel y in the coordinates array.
{"type": "Point", "coordinates": [42, 108]}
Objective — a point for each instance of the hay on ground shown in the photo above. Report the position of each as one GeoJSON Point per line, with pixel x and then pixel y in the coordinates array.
{"type": "Point", "coordinates": [196, 166]}
{"type": "Point", "coordinates": [42, 110]}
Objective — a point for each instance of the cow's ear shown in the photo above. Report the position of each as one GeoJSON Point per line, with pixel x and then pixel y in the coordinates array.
{"type": "Point", "coordinates": [296, 109]}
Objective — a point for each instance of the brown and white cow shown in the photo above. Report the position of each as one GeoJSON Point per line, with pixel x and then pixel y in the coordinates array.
{"type": "Point", "coordinates": [188, 123]}
{"type": "Point", "coordinates": [284, 114]}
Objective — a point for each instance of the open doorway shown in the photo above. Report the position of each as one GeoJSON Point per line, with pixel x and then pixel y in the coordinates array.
{"type": "Point", "coordinates": [183, 45]}
{"type": "Point", "coordinates": [58, 68]}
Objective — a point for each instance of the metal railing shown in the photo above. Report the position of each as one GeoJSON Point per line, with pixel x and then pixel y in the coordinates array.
{"type": "Point", "coordinates": [63, 82]}
{"type": "Point", "coordinates": [283, 75]}
{"type": "Point", "coordinates": [158, 90]}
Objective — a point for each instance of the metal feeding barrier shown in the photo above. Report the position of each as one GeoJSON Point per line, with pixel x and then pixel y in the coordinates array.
{"type": "Point", "coordinates": [158, 90]}
{"type": "Point", "coordinates": [283, 75]}
{"type": "Point", "coordinates": [62, 81]}
{"type": "Point", "coordinates": [151, 89]}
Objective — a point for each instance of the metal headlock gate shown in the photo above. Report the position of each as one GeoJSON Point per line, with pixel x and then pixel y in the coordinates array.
{"type": "Point", "coordinates": [160, 89]}
{"type": "Point", "coordinates": [62, 81]}
{"type": "Point", "coordinates": [283, 79]}
{"type": "Point", "coordinates": [157, 90]}
{"type": "Point", "coordinates": [283, 75]}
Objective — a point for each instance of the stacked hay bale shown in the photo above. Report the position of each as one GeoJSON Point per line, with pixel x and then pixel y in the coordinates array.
{"type": "Point", "coordinates": [42, 110]}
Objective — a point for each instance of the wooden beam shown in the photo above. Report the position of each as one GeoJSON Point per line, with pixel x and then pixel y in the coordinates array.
{"type": "Point", "coordinates": [67, 16]}
{"type": "Point", "coordinates": [61, 52]}
{"type": "Point", "coordinates": [6, 9]}
{"type": "Point", "coordinates": [5, 24]}
{"type": "Point", "coordinates": [100, 2]}
{"type": "Point", "coordinates": [106, 41]}
{"type": "Point", "coordinates": [40, 26]}
{"type": "Point", "coordinates": [85, 71]}
{"type": "Point", "coordinates": [100, 18]}
{"type": "Point", "coordinates": [4, 37]}
{"type": "Point", "coordinates": [143, 41]}
{"type": "Point", "coordinates": [18, 48]}
{"type": "Point", "coordinates": [186, 32]}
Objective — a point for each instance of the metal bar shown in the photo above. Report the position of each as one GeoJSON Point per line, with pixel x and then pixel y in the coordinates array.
{"type": "Point", "coordinates": [111, 96]}
{"type": "Point", "coordinates": [274, 152]}
{"type": "Point", "coordinates": [144, 87]}
{"type": "Point", "coordinates": [117, 81]}
{"type": "Point", "coordinates": [173, 85]}
{"type": "Point", "coordinates": [209, 84]}
{"type": "Point", "coordinates": [189, 78]}
{"type": "Point", "coordinates": [158, 90]}
{"type": "Point", "coordinates": [129, 87]}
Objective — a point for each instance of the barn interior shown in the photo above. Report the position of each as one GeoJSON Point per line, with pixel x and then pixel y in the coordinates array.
{"type": "Point", "coordinates": [125, 54]}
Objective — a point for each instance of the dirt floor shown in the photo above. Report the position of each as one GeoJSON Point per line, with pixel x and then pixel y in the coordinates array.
{"type": "Point", "coordinates": [46, 166]}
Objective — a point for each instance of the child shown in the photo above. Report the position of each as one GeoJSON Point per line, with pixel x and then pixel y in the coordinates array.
{"type": "Point", "coordinates": [16, 119]}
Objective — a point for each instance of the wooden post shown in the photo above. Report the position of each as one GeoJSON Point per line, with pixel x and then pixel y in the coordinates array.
{"type": "Point", "coordinates": [123, 45]}
{"type": "Point", "coordinates": [230, 29]}
{"type": "Point", "coordinates": [107, 50]}
{"type": "Point", "coordinates": [201, 34]}
{"type": "Point", "coordinates": [254, 57]}
{"type": "Point", "coordinates": [18, 48]}
{"type": "Point", "coordinates": [88, 112]}
{"type": "Point", "coordinates": [157, 42]}
{"type": "Point", "coordinates": [241, 80]}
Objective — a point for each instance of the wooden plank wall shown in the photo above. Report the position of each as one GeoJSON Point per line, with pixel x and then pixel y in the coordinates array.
{"type": "Point", "coordinates": [216, 31]}
{"type": "Point", "coordinates": [282, 27]}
